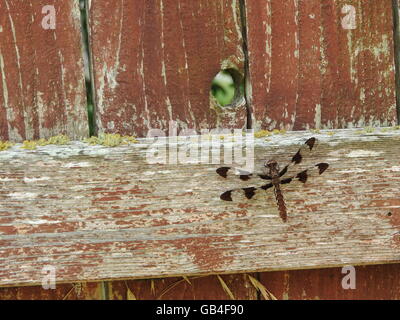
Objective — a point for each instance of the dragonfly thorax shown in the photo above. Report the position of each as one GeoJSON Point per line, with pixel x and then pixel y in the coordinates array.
{"type": "Point", "coordinates": [271, 164]}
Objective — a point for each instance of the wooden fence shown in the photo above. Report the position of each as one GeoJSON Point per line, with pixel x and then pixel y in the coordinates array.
{"type": "Point", "coordinates": [108, 221]}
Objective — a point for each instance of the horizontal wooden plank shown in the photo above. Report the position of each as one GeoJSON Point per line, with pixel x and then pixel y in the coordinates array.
{"type": "Point", "coordinates": [97, 213]}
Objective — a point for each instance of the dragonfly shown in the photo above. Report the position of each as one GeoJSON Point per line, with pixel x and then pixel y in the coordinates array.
{"type": "Point", "coordinates": [275, 177]}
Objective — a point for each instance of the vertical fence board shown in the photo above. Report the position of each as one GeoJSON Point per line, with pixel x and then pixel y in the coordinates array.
{"type": "Point", "coordinates": [396, 38]}
{"type": "Point", "coordinates": [273, 65]}
{"type": "Point", "coordinates": [42, 87]}
{"type": "Point", "coordinates": [308, 71]}
{"type": "Point", "coordinates": [200, 288]}
{"type": "Point", "coordinates": [154, 61]}
{"type": "Point", "coordinates": [72, 291]}
{"type": "Point", "coordinates": [372, 282]}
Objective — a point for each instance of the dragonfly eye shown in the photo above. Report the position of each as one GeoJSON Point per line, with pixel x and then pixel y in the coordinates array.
{"type": "Point", "coordinates": [270, 164]}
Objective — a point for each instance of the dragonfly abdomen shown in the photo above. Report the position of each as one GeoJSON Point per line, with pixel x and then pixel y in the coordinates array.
{"type": "Point", "coordinates": [281, 203]}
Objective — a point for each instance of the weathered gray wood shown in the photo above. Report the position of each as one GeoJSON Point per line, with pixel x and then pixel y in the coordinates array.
{"type": "Point", "coordinates": [105, 213]}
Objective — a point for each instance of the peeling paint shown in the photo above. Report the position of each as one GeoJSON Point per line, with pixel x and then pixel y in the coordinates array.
{"type": "Point", "coordinates": [31, 109]}
{"type": "Point", "coordinates": [74, 204]}
{"type": "Point", "coordinates": [362, 153]}
{"type": "Point", "coordinates": [162, 43]}
{"type": "Point", "coordinates": [22, 195]}
{"type": "Point", "coordinates": [322, 65]}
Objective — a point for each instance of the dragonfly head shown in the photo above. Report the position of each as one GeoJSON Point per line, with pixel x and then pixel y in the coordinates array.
{"type": "Point", "coordinates": [271, 164]}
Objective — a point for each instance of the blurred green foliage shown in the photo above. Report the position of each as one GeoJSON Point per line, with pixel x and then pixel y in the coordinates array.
{"type": "Point", "coordinates": [223, 88]}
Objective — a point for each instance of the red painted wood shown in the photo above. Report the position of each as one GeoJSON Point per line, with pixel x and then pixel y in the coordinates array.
{"type": "Point", "coordinates": [372, 282]}
{"type": "Point", "coordinates": [308, 71]}
{"type": "Point", "coordinates": [309, 48]}
{"type": "Point", "coordinates": [42, 86]}
{"type": "Point", "coordinates": [273, 64]}
{"type": "Point", "coordinates": [200, 288]}
{"type": "Point", "coordinates": [68, 291]}
{"type": "Point", "coordinates": [154, 62]}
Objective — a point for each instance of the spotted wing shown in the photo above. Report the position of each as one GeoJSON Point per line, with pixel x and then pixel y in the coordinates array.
{"type": "Point", "coordinates": [229, 172]}
{"type": "Point", "coordinates": [303, 176]}
{"type": "Point", "coordinates": [299, 159]}
{"type": "Point", "coordinates": [244, 193]}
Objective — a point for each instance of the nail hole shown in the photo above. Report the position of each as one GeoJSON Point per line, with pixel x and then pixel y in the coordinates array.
{"type": "Point", "coordinates": [227, 87]}
{"type": "Point", "coordinates": [389, 214]}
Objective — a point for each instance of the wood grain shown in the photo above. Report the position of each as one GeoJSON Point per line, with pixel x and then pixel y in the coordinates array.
{"type": "Point", "coordinates": [379, 282]}
{"type": "Point", "coordinates": [98, 213]}
{"type": "Point", "coordinates": [308, 71]}
{"type": "Point", "coordinates": [372, 282]}
{"type": "Point", "coordinates": [178, 288]}
{"type": "Point", "coordinates": [68, 291]}
{"type": "Point", "coordinates": [42, 85]}
{"type": "Point", "coordinates": [159, 62]}
{"type": "Point", "coordinates": [396, 42]}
